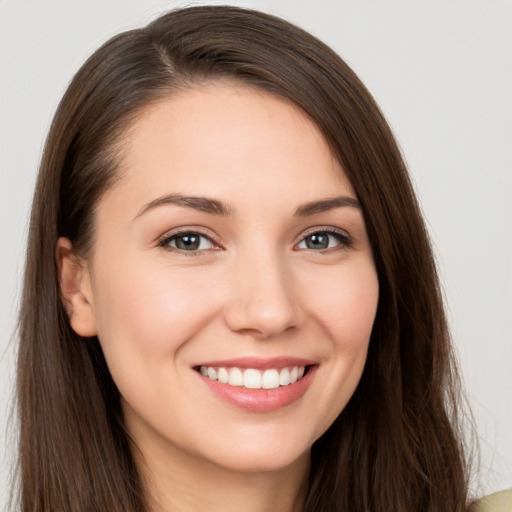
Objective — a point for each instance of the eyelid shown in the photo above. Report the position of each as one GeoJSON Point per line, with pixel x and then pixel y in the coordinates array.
{"type": "Point", "coordinates": [162, 240]}
{"type": "Point", "coordinates": [346, 239]}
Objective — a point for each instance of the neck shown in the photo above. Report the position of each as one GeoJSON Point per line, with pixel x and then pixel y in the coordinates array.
{"type": "Point", "coordinates": [177, 482]}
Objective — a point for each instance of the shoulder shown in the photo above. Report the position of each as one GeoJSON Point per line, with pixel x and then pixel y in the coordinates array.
{"type": "Point", "coordinates": [498, 502]}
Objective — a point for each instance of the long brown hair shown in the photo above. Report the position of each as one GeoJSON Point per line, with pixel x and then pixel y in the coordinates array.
{"type": "Point", "coordinates": [397, 445]}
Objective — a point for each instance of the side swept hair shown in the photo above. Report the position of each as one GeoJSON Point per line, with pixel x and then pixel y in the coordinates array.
{"type": "Point", "coordinates": [397, 445]}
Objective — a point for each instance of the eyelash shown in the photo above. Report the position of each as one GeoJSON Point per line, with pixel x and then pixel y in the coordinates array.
{"type": "Point", "coordinates": [343, 239]}
{"type": "Point", "coordinates": [167, 239]}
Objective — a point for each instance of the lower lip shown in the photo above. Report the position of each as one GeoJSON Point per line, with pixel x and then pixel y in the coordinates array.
{"type": "Point", "coordinates": [261, 400]}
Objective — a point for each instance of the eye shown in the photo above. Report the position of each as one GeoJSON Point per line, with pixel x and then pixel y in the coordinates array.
{"type": "Point", "coordinates": [322, 240]}
{"type": "Point", "coordinates": [188, 241]}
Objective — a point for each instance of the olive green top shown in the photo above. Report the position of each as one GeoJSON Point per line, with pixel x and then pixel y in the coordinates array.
{"type": "Point", "coordinates": [498, 502]}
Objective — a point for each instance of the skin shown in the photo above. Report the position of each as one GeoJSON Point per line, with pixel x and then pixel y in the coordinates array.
{"type": "Point", "coordinates": [254, 288]}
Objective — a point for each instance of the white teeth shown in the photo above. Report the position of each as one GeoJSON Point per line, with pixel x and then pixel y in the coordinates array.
{"type": "Point", "coordinates": [284, 377]}
{"type": "Point", "coordinates": [252, 378]}
{"type": "Point", "coordinates": [236, 377]}
{"type": "Point", "coordinates": [222, 375]}
{"type": "Point", "coordinates": [270, 379]}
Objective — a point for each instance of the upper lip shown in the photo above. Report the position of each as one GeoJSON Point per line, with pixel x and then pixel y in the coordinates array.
{"type": "Point", "coordinates": [258, 363]}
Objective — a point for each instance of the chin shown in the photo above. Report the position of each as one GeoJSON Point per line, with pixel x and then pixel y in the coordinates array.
{"type": "Point", "coordinates": [263, 462]}
{"type": "Point", "coordinates": [271, 454]}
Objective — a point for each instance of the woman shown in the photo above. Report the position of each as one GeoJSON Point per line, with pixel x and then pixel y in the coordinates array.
{"type": "Point", "coordinates": [230, 297]}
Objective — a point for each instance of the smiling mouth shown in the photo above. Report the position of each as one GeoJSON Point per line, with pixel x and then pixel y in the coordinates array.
{"type": "Point", "coordinates": [258, 385]}
{"type": "Point", "coordinates": [252, 378]}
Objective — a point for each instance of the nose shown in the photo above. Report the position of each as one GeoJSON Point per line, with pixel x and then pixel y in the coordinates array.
{"type": "Point", "coordinates": [263, 302]}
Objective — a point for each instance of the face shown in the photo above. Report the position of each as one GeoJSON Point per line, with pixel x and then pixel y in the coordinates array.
{"type": "Point", "coordinates": [231, 283]}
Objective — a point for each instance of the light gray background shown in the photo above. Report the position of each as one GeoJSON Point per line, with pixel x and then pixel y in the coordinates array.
{"type": "Point", "coordinates": [441, 71]}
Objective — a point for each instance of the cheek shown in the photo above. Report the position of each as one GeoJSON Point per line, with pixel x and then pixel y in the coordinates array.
{"type": "Point", "coordinates": [145, 313]}
{"type": "Point", "coordinates": [345, 302]}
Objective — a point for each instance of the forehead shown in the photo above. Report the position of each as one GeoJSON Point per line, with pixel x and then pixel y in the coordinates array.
{"type": "Point", "coordinates": [227, 140]}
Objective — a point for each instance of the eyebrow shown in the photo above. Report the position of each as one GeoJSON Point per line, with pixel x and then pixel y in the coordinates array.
{"type": "Point", "coordinates": [324, 205]}
{"type": "Point", "coordinates": [202, 204]}
{"type": "Point", "coordinates": [216, 207]}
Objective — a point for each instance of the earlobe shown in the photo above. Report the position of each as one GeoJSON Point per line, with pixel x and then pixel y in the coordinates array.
{"type": "Point", "coordinates": [75, 289]}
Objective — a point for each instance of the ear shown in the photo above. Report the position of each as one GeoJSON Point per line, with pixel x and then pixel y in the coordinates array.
{"type": "Point", "coordinates": [75, 289]}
